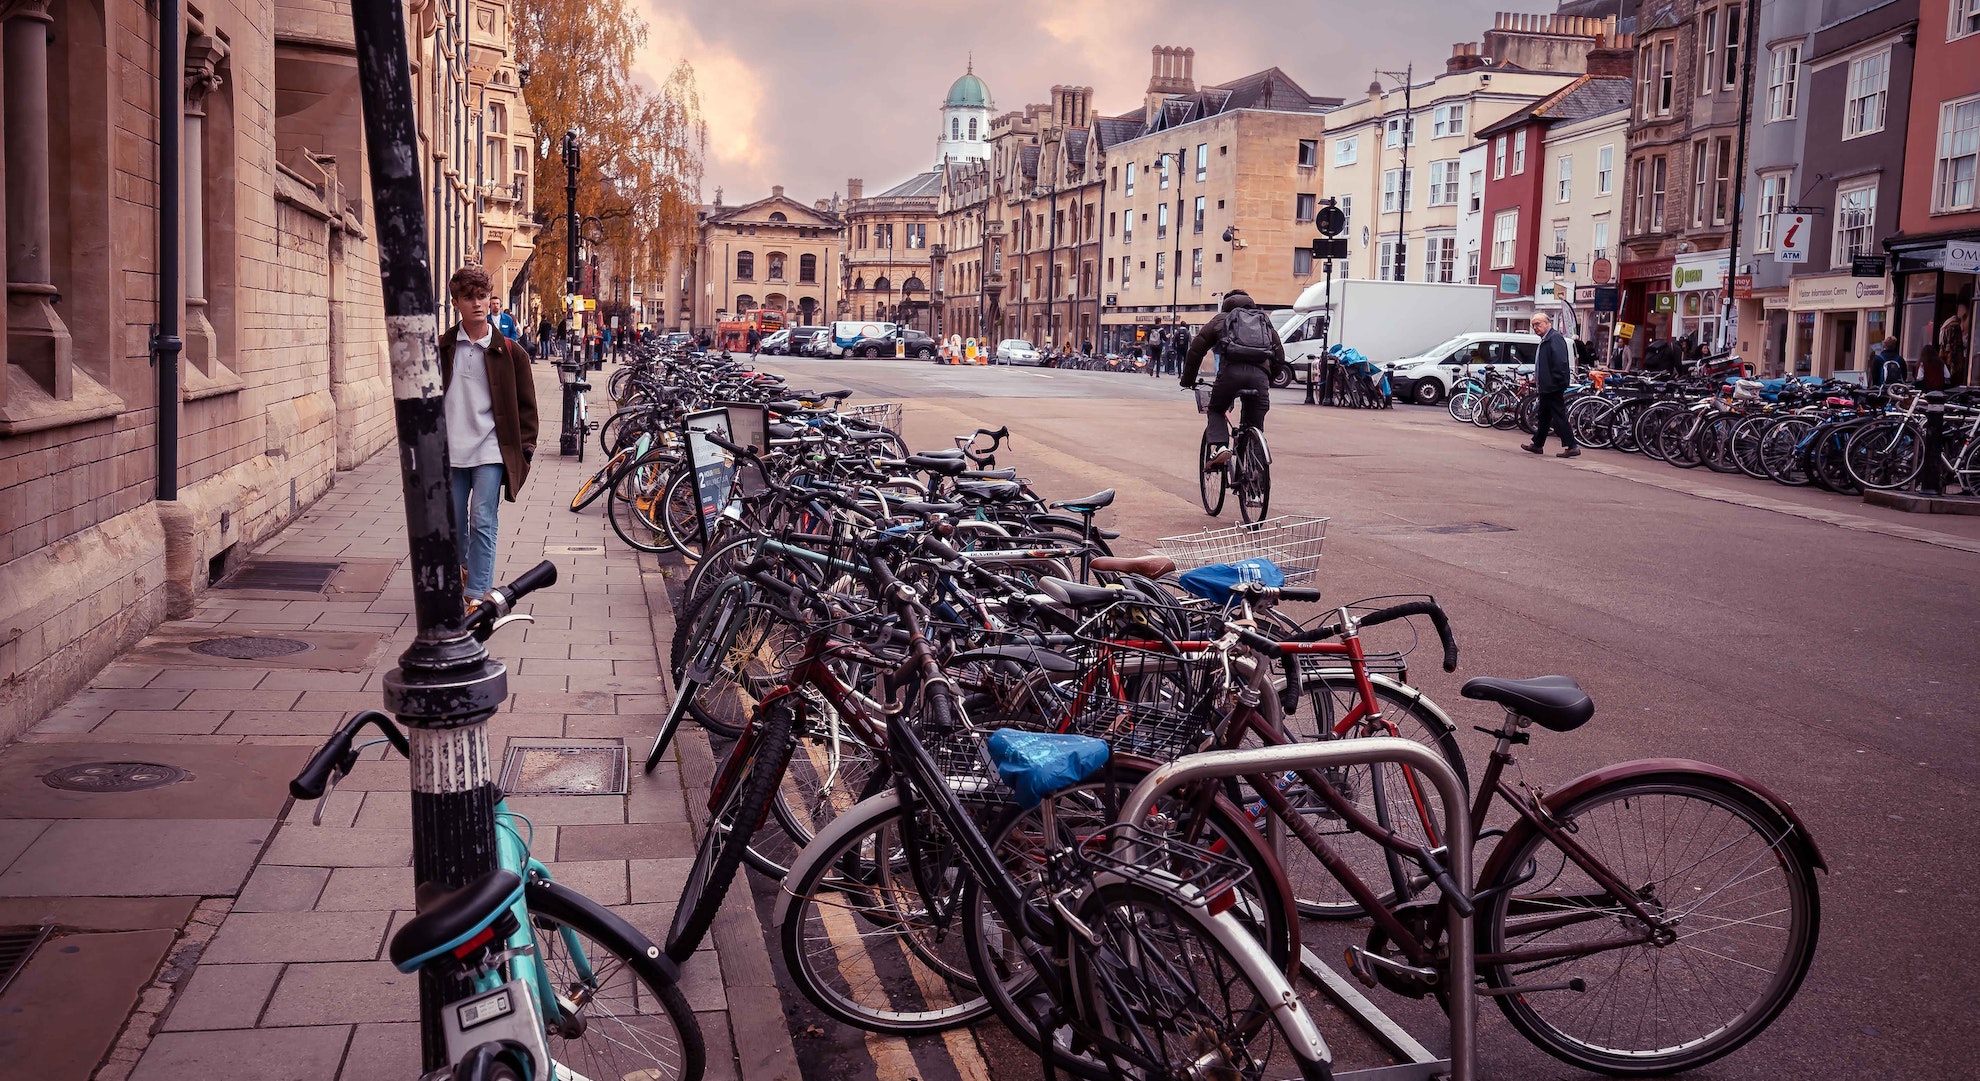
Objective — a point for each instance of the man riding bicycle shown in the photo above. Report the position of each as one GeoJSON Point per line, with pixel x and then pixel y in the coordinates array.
{"type": "Point", "coordinates": [1247, 345]}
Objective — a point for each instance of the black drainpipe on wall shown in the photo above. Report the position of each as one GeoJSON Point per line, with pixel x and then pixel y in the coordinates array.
{"type": "Point", "coordinates": [165, 342]}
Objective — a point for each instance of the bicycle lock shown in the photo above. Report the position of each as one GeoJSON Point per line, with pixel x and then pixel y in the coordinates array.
{"type": "Point", "coordinates": [446, 685]}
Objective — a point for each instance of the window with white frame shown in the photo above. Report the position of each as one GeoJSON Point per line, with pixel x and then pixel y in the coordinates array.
{"type": "Point", "coordinates": [1499, 158]}
{"type": "Point", "coordinates": [1130, 177]}
{"type": "Point", "coordinates": [1708, 51]}
{"type": "Point", "coordinates": [1505, 237]}
{"type": "Point", "coordinates": [1347, 210]}
{"type": "Point", "coordinates": [1856, 220]}
{"type": "Point", "coordinates": [1444, 182]}
{"type": "Point", "coordinates": [1392, 131]}
{"type": "Point", "coordinates": [1448, 120]}
{"type": "Point", "coordinates": [1395, 189]}
{"type": "Point", "coordinates": [1440, 259]}
{"type": "Point", "coordinates": [1564, 176]}
{"type": "Point", "coordinates": [1783, 72]}
{"type": "Point", "coordinates": [1471, 267]}
{"type": "Point", "coordinates": [1560, 239]}
{"type": "Point", "coordinates": [1601, 237]}
{"type": "Point", "coordinates": [1203, 160]}
{"type": "Point", "coordinates": [1666, 76]}
{"type": "Point", "coordinates": [1477, 189]}
{"type": "Point", "coordinates": [1959, 153]}
{"type": "Point", "coordinates": [1965, 19]}
{"type": "Point", "coordinates": [1605, 169]}
{"type": "Point", "coordinates": [1773, 200]}
{"type": "Point", "coordinates": [1735, 39]}
{"type": "Point", "coordinates": [1640, 214]}
{"type": "Point", "coordinates": [1869, 89]}
{"type": "Point", "coordinates": [1699, 171]}
{"type": "Point", "coordinates": [1390, 256]}
{"type": "Point", "coordinates": [1519, 152]}
{"type": "Point", "coordinates": [1309, 153]}
{"type": "Point", "coordinates": [1304, 206]}
{"type": "Point", "coordinates": [1347, 151]}
{"type": "Point", "coordinates": [1658, 169]}
{"type": "Point", "coordinates": [1722, 164]}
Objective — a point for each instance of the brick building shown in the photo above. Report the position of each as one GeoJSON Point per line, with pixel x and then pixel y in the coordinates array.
{"type": "Point", "coordinates": [284, 379]}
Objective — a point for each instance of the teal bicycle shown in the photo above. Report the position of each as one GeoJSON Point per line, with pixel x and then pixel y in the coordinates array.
{"type": "Point", "coordinates": [556, 985]}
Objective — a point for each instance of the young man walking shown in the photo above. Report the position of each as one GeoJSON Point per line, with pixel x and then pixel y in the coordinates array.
{"type": "Point", "coordinates": [491, 422]}
{"type": "Point", "coordinates": [1551, 371]}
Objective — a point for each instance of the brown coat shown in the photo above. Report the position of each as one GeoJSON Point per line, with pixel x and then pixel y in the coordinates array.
{"type": "Point", "coordinates": [512, 396]}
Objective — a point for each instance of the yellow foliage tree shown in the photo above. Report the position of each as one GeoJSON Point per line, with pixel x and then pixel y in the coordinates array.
{"type": "Point", "coordinates": [641, 146]}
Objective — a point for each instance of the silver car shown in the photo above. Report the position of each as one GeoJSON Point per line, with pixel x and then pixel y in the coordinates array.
{"type": "Point", "coordinates": [1017, 351]}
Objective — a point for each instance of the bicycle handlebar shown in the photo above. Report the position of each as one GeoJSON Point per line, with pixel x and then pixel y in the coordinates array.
{"type": "Point", "coordinates": [1390, 615]}
{"type": "Point", "coordinates": [338, 756]}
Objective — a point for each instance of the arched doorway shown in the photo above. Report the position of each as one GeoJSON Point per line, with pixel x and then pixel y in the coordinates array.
{"type": "Point", "coordinates": [807, 311]}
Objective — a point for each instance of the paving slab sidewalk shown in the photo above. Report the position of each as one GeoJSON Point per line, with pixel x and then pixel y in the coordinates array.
{"type": "Point", "coordinates": [206, 928]}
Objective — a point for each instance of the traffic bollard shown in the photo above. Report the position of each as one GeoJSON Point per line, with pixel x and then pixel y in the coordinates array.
{"type": "Point", "coordinates": [446, 686]}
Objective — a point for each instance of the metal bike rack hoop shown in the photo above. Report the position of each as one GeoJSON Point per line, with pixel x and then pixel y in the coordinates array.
{"type": "Point", "coordinates": [1211, 765]}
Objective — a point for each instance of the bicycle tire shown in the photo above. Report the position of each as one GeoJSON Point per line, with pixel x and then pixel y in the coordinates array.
{"type": "Point", "coordinates": [1254, 475]}
{"type": "Point", "coordinates": [1330, 696]}
{"type": "Point", "coordinates": [1625, 801]}
{"type": "Point", "coordinates": [678, 511]}
{"type": "Point", "coordinates": [852, 907]}
{"type": "Point", "coordinates": [633, 484]}
{"type": "Point", "coordinates": [749, 667]}
{"type": "Point", "coordinates": [1209, 477]}
{"type": "Point", "coordinates": [1780, 451]}
{"type": "Point", "coordinates": [701, 583]}
{"type": "Point", "coordinates": [1715, 445]}
{"type": "Point", "coordinates": [1007, 981]}
{"type": "Point", "coordinates": [1133, 984]}
{"type": "Point", "coordinates": [1677, 439]}
{"type": "Point", "coordinates": [1746, 439]}
{"type": "Point", "coordinates": [589, 491]}
{"type": "Point", "coordinates": [1649, 423]}
{"type": "Point", "coordinates": [744, 785]}
{"type": "Point", "coordinates": [1886, 454]}
{"type": "Point", "coordinates": [1463, 403]}
{"type": "Point", "coordinates": [552, 908]}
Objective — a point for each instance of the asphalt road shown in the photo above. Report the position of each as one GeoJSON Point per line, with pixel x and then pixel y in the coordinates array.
{"type": "Point", "coordinates": [1822, 647]}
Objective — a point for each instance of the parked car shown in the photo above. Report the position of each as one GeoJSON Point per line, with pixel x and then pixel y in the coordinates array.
{"type": "Point", "coordinates": [909, 341]}
{"type": "Point", "coordinates": [1017, 351]}
{"type": "Point", "coordinates": [1427, 379]}
{"type": "Point", "coordinates": [813, 344]}
{"type": "Point", "coordinates": [775, 343]}
{"type": "Point", "coordinates": [787, 342]}
{"type": "Point", "coordinates": [677, 340]}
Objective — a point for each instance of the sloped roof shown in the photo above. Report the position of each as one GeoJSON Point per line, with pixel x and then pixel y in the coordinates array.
{"type": "Point", "coordinates": [1028, 160]}
{"type": "Point", "coordinates": [759, 212]}
{"type": "Point", "coordinates": [1076, 146]}
{"type": "Point", "coordinates": [1269, 89]}
{"type": "Point", "coordinates": [1113, 130]}
{"type": "Point", "coordinates": [1587, 96]}
{"type": "Point", "coordinates": [928, 183]}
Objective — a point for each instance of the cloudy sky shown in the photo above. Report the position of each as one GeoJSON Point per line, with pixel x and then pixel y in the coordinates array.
{"type": "Point", "coordinates": [806, 94]}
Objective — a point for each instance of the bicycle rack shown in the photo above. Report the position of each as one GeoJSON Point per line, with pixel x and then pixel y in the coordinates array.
{"type": "Point", "coordinates": [1419, 1064]}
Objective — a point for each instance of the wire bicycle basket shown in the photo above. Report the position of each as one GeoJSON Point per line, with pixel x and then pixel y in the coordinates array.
{"type": "Point", "coordinates": [888, 416]}
{"type": "Point", "coordinates": [1191, 875]}
{"type": "Point", "coordinates": [1291, 541]}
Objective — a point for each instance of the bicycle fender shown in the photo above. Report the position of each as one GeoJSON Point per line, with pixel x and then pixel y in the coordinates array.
{"type": "Point", "coordinates": [607, 919]}
{"type": "Point", "coordinates": [1069, 522]}
{"type": "Point", "coordinates": [857, 817]}
{"type": "Point", "coordinates": [1798, 834]}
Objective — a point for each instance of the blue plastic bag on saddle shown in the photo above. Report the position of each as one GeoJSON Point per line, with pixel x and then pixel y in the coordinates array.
{"type": "Point", "coordinates": [1213, 583]}
{"type": "Point", "coordinates": [1037, 764]}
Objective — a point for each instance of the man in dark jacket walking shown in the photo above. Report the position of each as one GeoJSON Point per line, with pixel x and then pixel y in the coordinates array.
{"type": "Point", "coordinates": [1551, 371]}
{"type": "Point", "coordinates": [1237, 370]}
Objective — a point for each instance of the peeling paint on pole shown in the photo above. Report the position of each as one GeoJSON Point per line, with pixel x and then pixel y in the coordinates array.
{"type": "Point", "coordinates": [411, 340]}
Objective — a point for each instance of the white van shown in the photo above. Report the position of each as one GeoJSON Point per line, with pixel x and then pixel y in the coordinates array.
{"type": "Point", "coordinates": [1427, 379]}
{"type": "Point", "coordinates": [844, 334]}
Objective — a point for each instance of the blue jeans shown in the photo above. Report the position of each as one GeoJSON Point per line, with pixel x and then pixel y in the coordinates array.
{"type": "Point", "coordinates": [476, 535]}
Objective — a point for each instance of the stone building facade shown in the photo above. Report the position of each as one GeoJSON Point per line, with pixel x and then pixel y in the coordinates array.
{"type": "Point", "coordinates": [888, 270]}
{"type": "Point", "coordinates": [1190, 165]}
{"type": "Point", "coordinates": [771, 253]}
{"type": "Point", "coordinates": [968, 278]}
{"type": "Point", "coordinates": [284, 379]}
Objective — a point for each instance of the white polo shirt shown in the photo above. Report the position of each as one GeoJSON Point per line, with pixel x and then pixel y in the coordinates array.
{"type": "Point", "coordinates": [470, 407]}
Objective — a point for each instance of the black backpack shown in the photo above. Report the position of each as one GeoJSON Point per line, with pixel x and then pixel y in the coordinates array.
{"type": "Point", "coordinates": [1248, 336]}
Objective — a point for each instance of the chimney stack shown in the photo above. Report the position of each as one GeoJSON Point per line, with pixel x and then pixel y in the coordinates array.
{"type": "Point", "coordinates": [1612, 62]}
{"type": "Point", "coordinates": [776, 191]}
{"type": "Point", "coordinates": [855, 188]}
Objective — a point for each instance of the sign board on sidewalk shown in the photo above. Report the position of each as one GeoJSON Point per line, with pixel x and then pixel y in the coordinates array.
{"type": "Point", "coordinates": [714, 469]}
{"type": "Point", "coordinates": [749, 426]}
{"type": "Point", "coordinates": [1584, 294]}
{"type": "Point", "coordinates": [1791, 238]}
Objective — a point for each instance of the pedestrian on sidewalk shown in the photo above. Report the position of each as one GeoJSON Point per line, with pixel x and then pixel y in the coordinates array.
{"type": "Point", "coordinates": [490, 404]}
{"type": "Point", "coordinates": [1550, 380]}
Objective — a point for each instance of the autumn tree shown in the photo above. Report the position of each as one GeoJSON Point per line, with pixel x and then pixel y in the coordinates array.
{"type": "Point", "coordinates": [641, 145]}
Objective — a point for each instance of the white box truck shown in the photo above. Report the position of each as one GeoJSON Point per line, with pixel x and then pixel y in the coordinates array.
{"type": "Point", "coordinates": [1384, 320]}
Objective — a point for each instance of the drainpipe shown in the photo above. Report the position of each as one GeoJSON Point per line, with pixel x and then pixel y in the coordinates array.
{"type": "Point", "coordinates": [165, 341]}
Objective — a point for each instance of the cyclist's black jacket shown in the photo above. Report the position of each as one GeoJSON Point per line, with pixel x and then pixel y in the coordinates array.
{"type": "Point", "coordinates": [1213, 332]}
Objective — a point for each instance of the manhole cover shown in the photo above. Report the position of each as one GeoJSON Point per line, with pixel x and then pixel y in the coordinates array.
{"type": "Point", "coordinates": [250, 648]}
{"type": "Point", "coordinates": [558, 769]}
{"type": "Point", "coordinates": [282, 574]}
{"type": "Point", "coordinates": [113, 777]}
{"type": "Point", "coordinates": [573, 549]}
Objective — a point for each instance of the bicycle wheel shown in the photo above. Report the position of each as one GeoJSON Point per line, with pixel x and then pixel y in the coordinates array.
{"type": "Point", "coordinates": [996, 958]}
{"type": "Point", "coordinates": [1650, 425]}
{"type": "Point", "coordinates": [1401, 798]}
{"type": "Point", "coordinates": [635, 486]}
{"type": "Point", "coordinates": [622, 1013]}
{"type": "Point", "coordinates": [1463, 403]}
{"type": "Point", "coordinates": [1780, 451]}
{"type": "Point", "coordinates": [1170, 997]}
{"type": "Point", "coordinates": [678, 513]}
{"type": "Point", "coordinates": [831, 770]}
{"type": "Point", "coordinates": [1211, 482]}
{"type": "Point", "coordinates": [1253, 461]}
{"type": "Point", "coordinates": [1886, 454]}
{"type": "Point", "coordinates": [740, 799]}
{"type": "Point", "coordinates": [749, 667]}
{"type": "Point", "coordinates": [1829, 460]}
{"type": "Point", "coordinates": [863, 943]}
{"type": "Point", "coordinates": [1715, 446]}
{"type": "Point", "coordinates": [1677, 440]}
{"type": "Point", "coordinates": [1709, 854]}
{"type": "Point", "coordinates": [1746, 445]}
{"type": "Point", "coordinates": [707, 576]}
{"type": "Point", "coordinates": [1506, 415]}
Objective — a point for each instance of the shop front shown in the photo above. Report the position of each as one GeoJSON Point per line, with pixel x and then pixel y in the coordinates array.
{"type": "Point", "coordinates": [1934, 282]}
{"type": "Point", "coordinates": [1512, 314]}
{"type": "Point", "coordinates": [1697, 286]}
{"type": "Point", "coordinates": [1834, 321]}
{"type": "Point", "coordinates": [1646, 302]}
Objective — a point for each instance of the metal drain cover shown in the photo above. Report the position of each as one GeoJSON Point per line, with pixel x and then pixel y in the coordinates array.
{"type": "Point", "coordinates": [113, 777]}
{"type": "Point", "coordinates": [15, 949]}
{"type": "Point", "coordinates": [565, 769]}
{"type": "Point", "coordinates": [573, 549]}
{"type": "Point", "coordinates": [250, 648]}
{"type": "Point", "coordinates": [282, 574]}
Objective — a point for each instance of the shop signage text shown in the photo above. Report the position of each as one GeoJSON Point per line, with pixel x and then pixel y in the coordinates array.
{"type": "Point", "coordinates": [1867, 266]}
{"type": "Point", "coordinates": [1963, 256]}
{"type": "Point", "coordinates": [1837, 291]}
{"type": "Point", "coordinates": [1699, 272]}
{"type": "Point", "coordinates": [1791, 238]}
